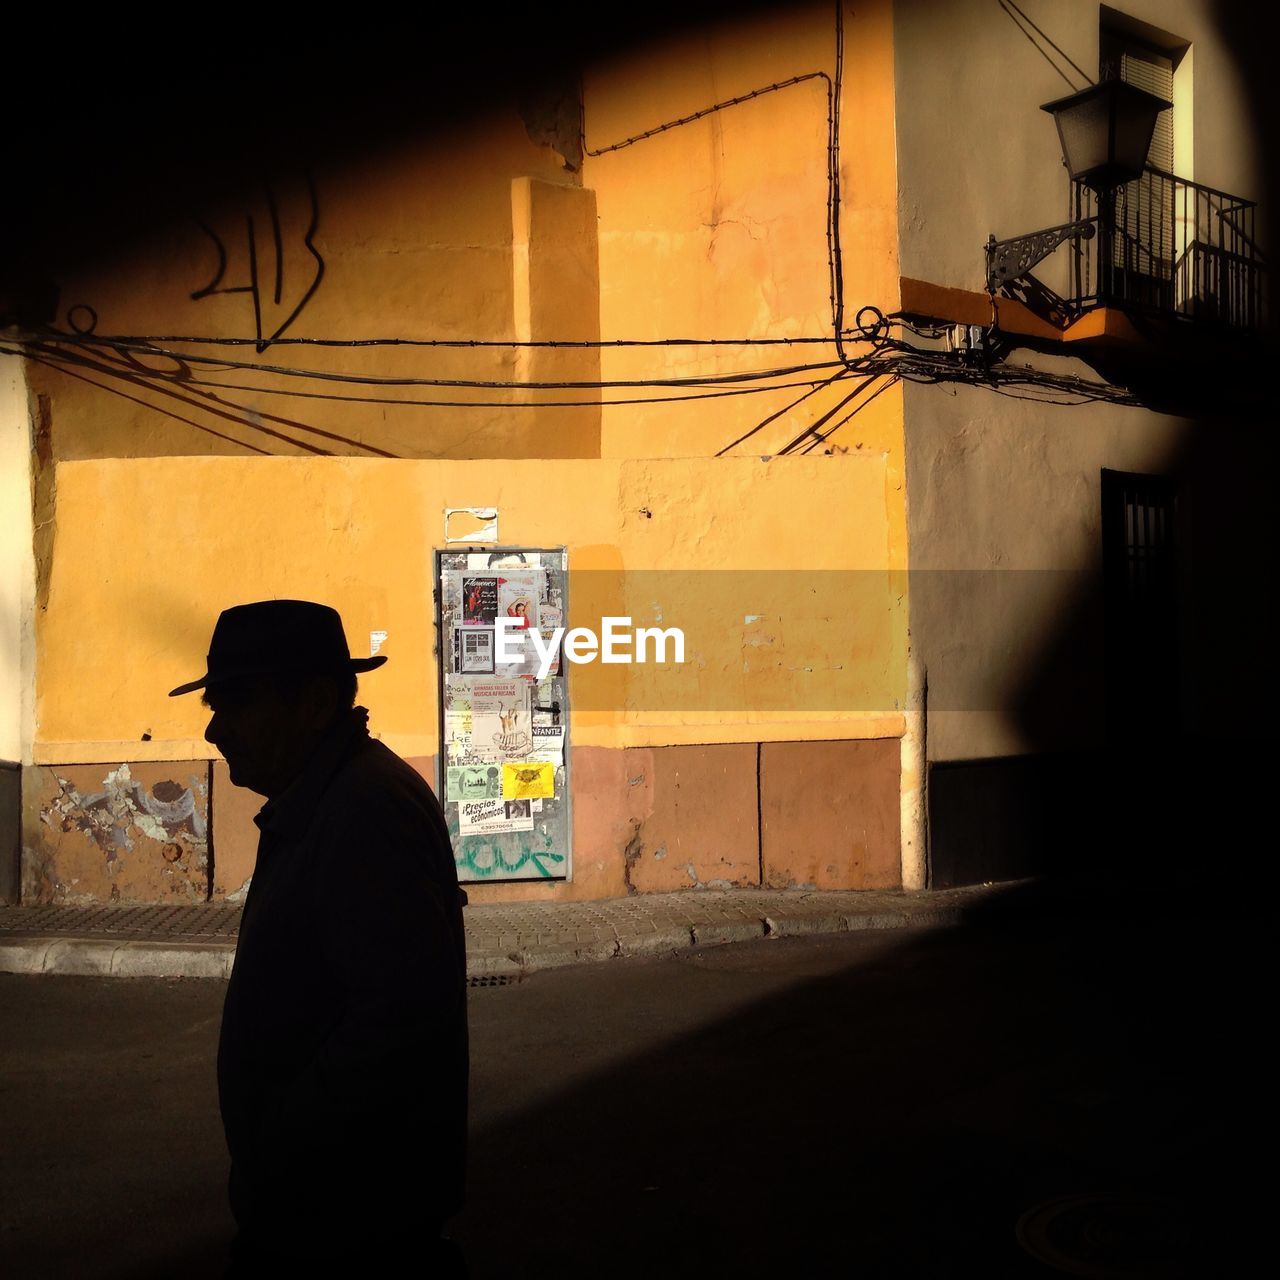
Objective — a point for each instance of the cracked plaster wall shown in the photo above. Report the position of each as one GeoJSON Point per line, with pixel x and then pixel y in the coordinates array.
{"type": "Point", "coordinates": [129, 833]}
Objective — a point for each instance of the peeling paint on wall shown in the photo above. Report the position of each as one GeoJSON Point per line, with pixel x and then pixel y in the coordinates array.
{"type": "Point", "coordinates": [128, 833]}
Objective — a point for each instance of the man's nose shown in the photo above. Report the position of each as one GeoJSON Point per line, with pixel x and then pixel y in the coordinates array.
{"type": "Point", "coordinates": [211, 731]}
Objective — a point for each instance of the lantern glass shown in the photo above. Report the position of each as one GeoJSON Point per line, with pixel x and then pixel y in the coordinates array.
{"type": "Point", "coordinates": [1105, 131]}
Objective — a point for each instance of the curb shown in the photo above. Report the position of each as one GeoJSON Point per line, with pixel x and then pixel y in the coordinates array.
{"type": "Point", "coordinates": [104, 958]}
{"type": "Point", "coordinates": [486, 957]}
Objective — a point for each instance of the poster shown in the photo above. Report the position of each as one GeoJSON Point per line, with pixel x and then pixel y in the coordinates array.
{"type": "Point", "coordinates": [529, 780]}
{"type": "Point", "coordinates": [548, 743]}
{"type": "Point", "coordinates": [479, 599]}
{"type": "Point", "coordinates": [501, 718]}
{"type": "Point", "coordinates": [475, 650]}
{"type": "Point", "coordinates": [473, 782]}
{"type": "Point", "coordinates": [492, 817]}
{"type": "Point", "coordinates": [519, 594]}
{"type": "Point", "coordinates": [458, 742]}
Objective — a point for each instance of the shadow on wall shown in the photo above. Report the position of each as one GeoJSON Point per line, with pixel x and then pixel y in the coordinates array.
{"type": "Point", "coordinates": [10, 831]}
{"type": "Point", "coordinates": [1145, 746]}
{"type": "Point", "coordinates": [221, 112]}
{"type": "Point", "coordinates": [1168, 782]}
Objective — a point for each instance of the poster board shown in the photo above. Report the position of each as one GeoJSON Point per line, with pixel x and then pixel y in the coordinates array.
{"type": "Point", "coordinates": [503, 775]}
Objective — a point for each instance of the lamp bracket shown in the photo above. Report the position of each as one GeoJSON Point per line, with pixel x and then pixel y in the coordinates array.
{"type": "Point", "coordinates": [1008, 260]}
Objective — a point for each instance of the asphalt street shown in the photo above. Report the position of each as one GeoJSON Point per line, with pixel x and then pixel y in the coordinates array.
{"type": "Point", "coordinates": [1049, 1089]}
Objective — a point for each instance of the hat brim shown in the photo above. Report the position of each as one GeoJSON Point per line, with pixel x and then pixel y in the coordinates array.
{"type": "Point", "coordinates": [206, 680]}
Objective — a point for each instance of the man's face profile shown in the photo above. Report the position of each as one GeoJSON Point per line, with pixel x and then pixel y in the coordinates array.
{"type": "Point", "coordinates": [263, 735]}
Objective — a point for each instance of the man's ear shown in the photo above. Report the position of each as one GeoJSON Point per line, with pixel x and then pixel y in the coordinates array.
{"type": "Point", "coordinates": [320, 701]}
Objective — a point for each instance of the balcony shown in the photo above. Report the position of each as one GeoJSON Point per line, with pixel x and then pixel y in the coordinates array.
{"type": "Point", "coordinates": [1166, 246]}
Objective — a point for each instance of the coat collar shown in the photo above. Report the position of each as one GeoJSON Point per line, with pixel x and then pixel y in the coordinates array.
{"type": "Point", "coordinates": [293, 809]}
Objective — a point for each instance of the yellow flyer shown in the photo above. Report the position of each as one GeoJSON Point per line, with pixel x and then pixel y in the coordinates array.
{"type": "Point", "coordinates": [529, 780]}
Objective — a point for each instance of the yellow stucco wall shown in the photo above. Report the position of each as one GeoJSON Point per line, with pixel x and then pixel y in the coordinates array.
{"type": "Point", "coordinates": [147, 552]}
{"type": "Point", "coordinates": [735, 204]}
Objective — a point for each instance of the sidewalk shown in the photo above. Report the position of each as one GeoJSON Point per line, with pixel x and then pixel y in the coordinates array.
{"type": "Point", "coordinates": [504, 940]}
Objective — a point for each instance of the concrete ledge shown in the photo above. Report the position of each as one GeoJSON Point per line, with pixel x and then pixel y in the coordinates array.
{"type": "Point", "coordinates": [105, 957]}
{"type": "Point", "coordinates": [717, 932]}
{"type": "Point", "coordinates": [83, 956]}
{"type": "Point", "coordinates": [660, 942]}
{"type": "Point", "coordinates": [493, 964]}
{"type": "Point", "coordinates": [794, 926]}
{"type": "Point", "coordinates": [935, 918]}
{"type": "Point", "coordinates": [25, 956]}
{"type": "Point", "coordinates": [172, 960]}
{"type": "Point", "coordinates": [555, 956]}
{"type": "Point", "coordinates": [878, 920]}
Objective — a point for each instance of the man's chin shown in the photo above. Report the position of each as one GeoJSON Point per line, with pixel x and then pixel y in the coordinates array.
{"type": "Point", "coordinates": [240, 779]}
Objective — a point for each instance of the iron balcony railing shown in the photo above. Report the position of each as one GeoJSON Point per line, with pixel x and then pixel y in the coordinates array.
{"type": "Point", "coordinates": [1168, 245]}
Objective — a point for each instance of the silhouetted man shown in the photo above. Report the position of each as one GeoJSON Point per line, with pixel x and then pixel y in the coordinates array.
{"type": "Point", "coordinates": [342, 1064]}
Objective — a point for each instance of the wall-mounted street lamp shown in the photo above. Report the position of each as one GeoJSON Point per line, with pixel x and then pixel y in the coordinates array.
{"type": "Point", "coordinates": [1105, 131]}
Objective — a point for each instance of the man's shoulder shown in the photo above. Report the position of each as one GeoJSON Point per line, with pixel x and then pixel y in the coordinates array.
{"type": "Point", "coordinates": [374, 768]}
{"type": "Point", "coordinates": [376, 799]}
{"type": "Point", "coordinates": [374, 758]}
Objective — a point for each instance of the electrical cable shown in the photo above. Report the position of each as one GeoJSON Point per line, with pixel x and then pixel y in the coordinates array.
{"type": "Point", "coordinates": [389, 401]}
{"type": "Point", "coordinates": [61, 359]}
{"type": "Point", "coordinates": [500, 343]}
{"type": "Point", "coordinates": [812, 428]}
{"type": "Point", "coordinates": [322, 375]}
{"type": "Point", "coordinates": [773, 417]}
{"type": "Point", "coordinates": [890, 356]}
{"type": "Point", "coordinates": [880, 390]}
{"type": "Point", "coordinates": [833, 85]}
{"type": "Point", "coordinates": [668, 125]}
{"type": "Point", "coordinates": [1010, 9]}
{"type": "Point", "coordinates": [835, 254]}
{"type": "Point", "coordinates": [115, 391]}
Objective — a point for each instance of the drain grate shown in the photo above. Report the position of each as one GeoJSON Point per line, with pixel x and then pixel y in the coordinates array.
{"type": "Point", "coordinates": [494, 980]}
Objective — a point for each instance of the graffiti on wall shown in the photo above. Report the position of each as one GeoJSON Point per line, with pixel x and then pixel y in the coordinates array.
{"type": "Point", "coordinates": [277, 264]}
{"type": "Point", "coordinates": [510, 855]}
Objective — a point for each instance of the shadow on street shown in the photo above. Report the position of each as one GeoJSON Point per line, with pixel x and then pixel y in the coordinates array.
{"type": "Point", "coordinates": [870, 1105]}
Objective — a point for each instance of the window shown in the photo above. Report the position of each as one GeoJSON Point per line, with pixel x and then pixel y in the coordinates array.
{"type": "Point", "coordinates": [1140, 585]}
{"type": "Point", "coordinates": [1146, 244]}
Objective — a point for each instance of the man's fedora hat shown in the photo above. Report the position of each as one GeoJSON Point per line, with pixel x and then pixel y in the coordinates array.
{"type": "Point", "coordinates": [277, 636]}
